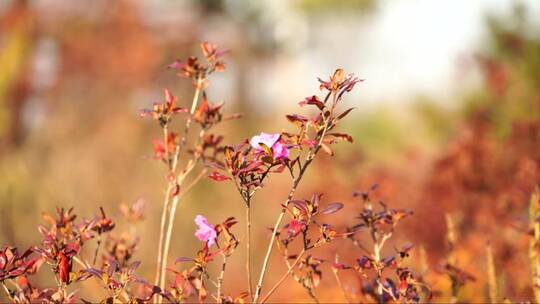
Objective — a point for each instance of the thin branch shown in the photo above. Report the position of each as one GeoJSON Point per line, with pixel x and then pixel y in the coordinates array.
{"type": "Point", "coordinates": [491, 274]}
{"type": "Point", "coordinates": [295, 183]}
{"type": "Point", "coordinates": [8, 292]}
{"type": "Point", "coordinates": [170, 223]}
{"type": "Point", "coordinates": [340, 284]}
{"type": "Point", "coordinates": [80, 262]}
{"type": "Point", "coordinates": [162, 235]}
{"type": "Point", "coordinates": [220, 278]}
{"type": "Point", "coordinates": [164, 211]}
{"type": "Point", "coordinates": [97, 250]}
{"type": "Point", "coordinates": [284, 276]}
{"type": "Point", "coordinates": [248, 247]}
{"type": "Point", "coordinates": [163, 248]}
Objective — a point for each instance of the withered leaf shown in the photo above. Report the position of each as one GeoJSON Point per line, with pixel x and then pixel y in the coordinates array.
{"type": "Point", "coordinates": [342, 136]}
{"type": "Point", "coordinates": [327, 149]}
{"type": "Point", "coordinates": [296, 119]}
{"type": "Point", "coordinates": [332, 208]}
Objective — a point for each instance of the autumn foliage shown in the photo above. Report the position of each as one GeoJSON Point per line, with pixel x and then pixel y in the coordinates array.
{"type": "Point", "coordinates": [460, 227]}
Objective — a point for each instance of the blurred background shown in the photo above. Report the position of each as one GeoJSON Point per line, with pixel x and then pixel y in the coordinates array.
{"type": "Point", "coordinates": [447, 119]}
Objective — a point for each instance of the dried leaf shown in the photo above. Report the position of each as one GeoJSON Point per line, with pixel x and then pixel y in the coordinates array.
{"type": "Point", "coordinates": [327, 149]}
{"type": "Point", "coordinates": [332, 208]}
{"type": "Point", "coordinates": [342, 136]}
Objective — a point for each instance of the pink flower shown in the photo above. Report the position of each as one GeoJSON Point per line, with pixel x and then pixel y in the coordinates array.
{"type": "Point", "coordinates": [267, 139]}
{"type": "Point", "coordinates": [206, 232]}
{"type": "Point", "coordinates": [279, 150]}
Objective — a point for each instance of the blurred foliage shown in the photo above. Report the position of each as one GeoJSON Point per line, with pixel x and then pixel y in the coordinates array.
{"type": "Point", "coordinates": [92, 149]}
{"type": "Point", "coordinates": [319, 6]}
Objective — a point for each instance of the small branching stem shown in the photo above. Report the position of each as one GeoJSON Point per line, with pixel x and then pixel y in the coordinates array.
{"type": "Point", "coordinates": [295, 183]}
{"type": "Point", "coordinates": [378, 244]}
{"type": "Point", "coordinates": [172, 213]}
{"type": "Point", "coordinates": [173, 183]}
{"type": "Point", "coordinates": [248, 246]}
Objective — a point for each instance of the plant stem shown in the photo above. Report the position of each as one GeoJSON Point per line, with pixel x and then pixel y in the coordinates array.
{"type": "Point", "coordinates": [162, 235]}
{"type": "Point", "coordinates": [492, 276]}
{"type": "Point", "coordinates": [378, 244]}
{"type": "Point", "coordinates": [534, 259]}
{"type": "Point", "coordinates": [295, 183]}
{"type": "Point", "coordinates": [377, 255]}
{"type": "Point", "coordinates": [248, 247]}
{"type": "Point", "coordinates": [164, 243]}
{"type": "Point", "coordinates": [166, 200]}
{"type": "Point", "coordinates": [97, 250]}
{"type": "Point", "coordinates": [220, 278]}
{"type": "Point", "coordinates": [284, 276]}
{"type": "Point", "coordinates": [170, 224]}
{"type": "Point", "coordinates": [82, 263]}
{"type": "Point", "coordinates": [8, 292]}
{"type": "Point", "coordinates": [338, 280]}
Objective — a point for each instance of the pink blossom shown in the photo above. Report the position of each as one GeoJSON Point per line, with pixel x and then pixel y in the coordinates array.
{"type": "Point", "coordinates": [206, 232]}
{"type": "Point", "coordinates": [279, 150]}
{"type": "Point", "coordinates": [267, 139]}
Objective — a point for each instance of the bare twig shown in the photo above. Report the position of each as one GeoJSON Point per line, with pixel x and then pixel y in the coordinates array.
{"type": "Point", "coordinates": [170, 223]}
{"type": "Point", "coordinates": [492, 276]}
{"type": "Point", "coordinates": [8, 292]}
{"type": "Point", "coordinates": [248, 246]}
{"type": "Point", "coordinates": [97, 250]}
{"type": "Point", "coordinates": [220, 278]}
{"type": "Point", "coordinates": [166, 225]}
{"type": "Point", "coordinates": [284, 276]}
{"type": "Point", "coordinates": [162, 234]}
{"type": "Point", "coordinates": [338, 280]}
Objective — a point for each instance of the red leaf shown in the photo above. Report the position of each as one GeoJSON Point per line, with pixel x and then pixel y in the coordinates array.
{"type": "Point", "coordinates": [64, 268]}
{"type": "Point", "coordinates": [218, 177]}
{"type": "Point", "coordinates": [312, 100]}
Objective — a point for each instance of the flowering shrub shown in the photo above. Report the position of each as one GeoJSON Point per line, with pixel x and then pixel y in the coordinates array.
{"type": "Point", "coordinates": [73, 251]}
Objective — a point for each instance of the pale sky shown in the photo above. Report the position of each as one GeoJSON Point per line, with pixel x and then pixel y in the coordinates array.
{"type": "Point", "coordinates": [415, 45]}
{"type": "Point", "coordinates": [405, 49]}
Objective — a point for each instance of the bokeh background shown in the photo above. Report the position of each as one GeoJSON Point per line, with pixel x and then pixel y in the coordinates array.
{"type": "Point", "coordinates": [447, 120]}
